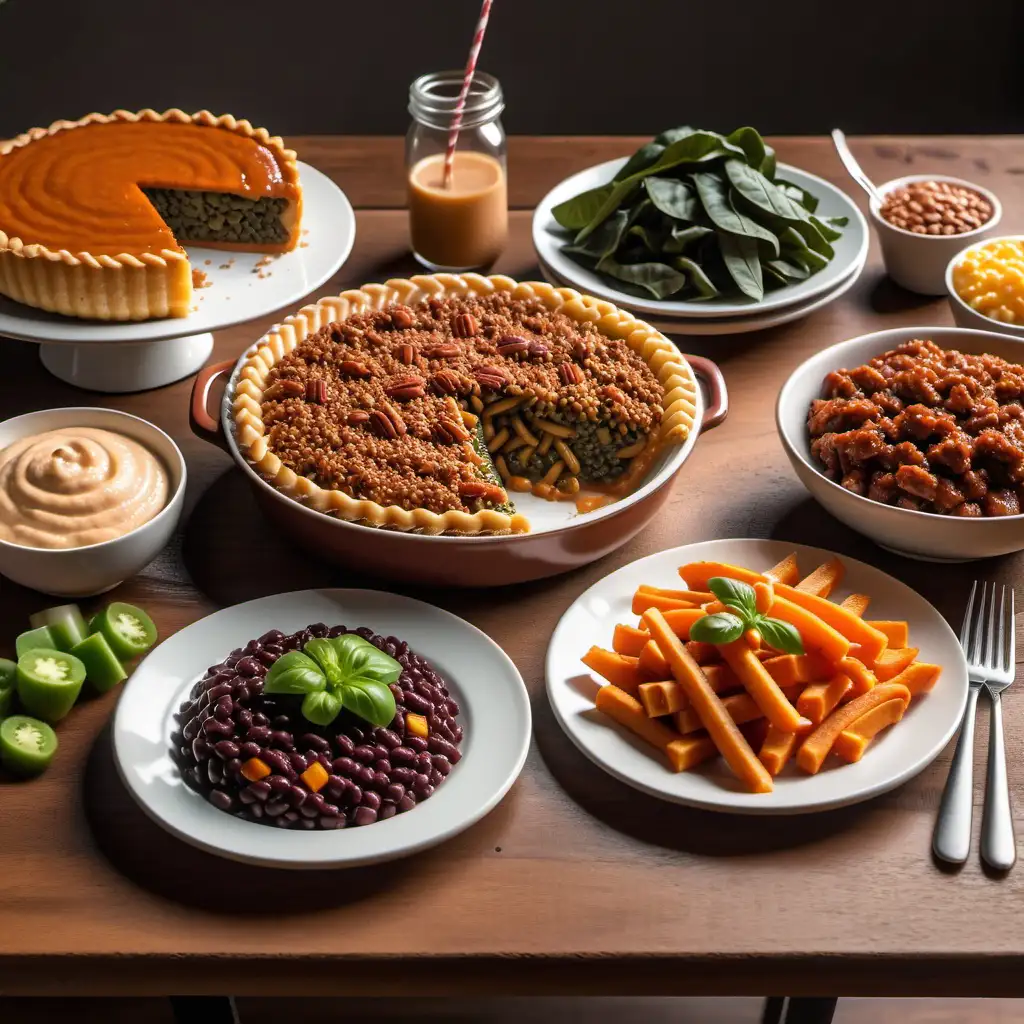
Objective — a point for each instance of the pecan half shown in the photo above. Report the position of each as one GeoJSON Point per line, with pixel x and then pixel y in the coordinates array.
{"type": "Point", "coordinates": [570, 374]}
{"type": "Point", "coordinates": [465, 326]}
{"type": "Point", "coordinates": [493, 378]}
{"type": "Point", "coordinates": [401, 319]}
{"type": "Point", "coordinates": [374, 338]}
{"type": "Point", "coordinates": [406, 388]}
{"type": "Point", "coordinates": [285, 389]}
{"type": "Point", "coordinates": [538, 350]}
{"type": "Point", "coordinates": [446, 350]}
{"type": "Point", "coordinates": [353, 368]}
{"type": "Point", "coordinates": [481, 489]}
{"type": "Point", "coordinates": [447, 382]}
{"type": "Point", "coordinates": [316, 391]}
{"type": "Point", "coordinates": [406, 354]}
{"type": "Point", "coordinates": [386, 422]}
{"type": "Point", "coordinates": [447, 431]}
{"type": "Point", "coordinates": [357, 417]}
{"type": "Point", "coordinates": [580, 350]}
{"type": "Point", "coordinates": [512, 344]}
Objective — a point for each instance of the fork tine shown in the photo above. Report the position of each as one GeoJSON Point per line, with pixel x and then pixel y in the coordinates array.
{"type": "Point", "coordinates": [965, 630]}
{"type": "Point", "coordinates": [974, 655]}
{"type": "Point", "coordinates": [1010, 650]}
{"type": "Point", "coordinates": [999, 654]}
{"type": "Point", "coordinates": [992, 655]}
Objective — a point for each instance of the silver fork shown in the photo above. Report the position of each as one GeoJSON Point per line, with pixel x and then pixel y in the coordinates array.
{"type": "Point", "coordinates": [987, 638]}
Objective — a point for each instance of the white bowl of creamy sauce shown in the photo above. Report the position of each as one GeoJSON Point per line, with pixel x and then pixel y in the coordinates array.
{"type": "Point", "coordinates": [87, 498]}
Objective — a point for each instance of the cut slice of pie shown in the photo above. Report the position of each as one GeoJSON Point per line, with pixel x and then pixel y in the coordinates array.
{"type": "Point", "coordinates": [420, 404]}
{"type": "Point", "coordinates": [94, 213]}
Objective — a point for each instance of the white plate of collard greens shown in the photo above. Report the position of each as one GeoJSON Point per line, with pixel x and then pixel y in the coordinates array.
{"type": "Point", "coordinates": [697, 224]}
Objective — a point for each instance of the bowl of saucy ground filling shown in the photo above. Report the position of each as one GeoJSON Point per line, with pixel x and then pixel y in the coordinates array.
{"type": "Point", "coordinates": [257, 756]}
{"type": "Point", "coordinates": [915, 438]}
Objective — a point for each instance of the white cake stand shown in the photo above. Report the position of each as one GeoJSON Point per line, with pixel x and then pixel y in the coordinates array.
{"type": "Point", "coordinates": [120, 357]}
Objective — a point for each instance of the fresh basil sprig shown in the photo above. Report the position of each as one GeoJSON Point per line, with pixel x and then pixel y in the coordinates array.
{"type": "Point", "coordinates": [331, 674]}
{"type": "Point", "coordinates": [725, 627]}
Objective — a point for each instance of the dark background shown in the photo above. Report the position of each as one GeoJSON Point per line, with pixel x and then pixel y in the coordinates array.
{"type": "Point", "coordinates": [567, 66]}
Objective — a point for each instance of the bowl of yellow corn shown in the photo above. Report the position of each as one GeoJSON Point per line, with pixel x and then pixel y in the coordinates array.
{"type": "Point", "coordinates": [985, 285]}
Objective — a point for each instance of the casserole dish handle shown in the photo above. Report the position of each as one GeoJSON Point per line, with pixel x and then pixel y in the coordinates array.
{"type": "Point", "coordinates": [203, 424]}
{"type": "Point", "coordinates": [718, 395]}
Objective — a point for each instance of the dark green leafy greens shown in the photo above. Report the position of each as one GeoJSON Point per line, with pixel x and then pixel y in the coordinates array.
{"type": "Point", "coordinates": [694, 214]}
{"type": "Point", "coordinates": [725, 627]}
{"type": "Point", "coordinates": [344, 672]}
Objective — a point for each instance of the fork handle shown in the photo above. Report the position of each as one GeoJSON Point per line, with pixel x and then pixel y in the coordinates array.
{"type": "Point", "coordinates": [998, 844]}
{"type": "Point", "coordinates": [951, 840]}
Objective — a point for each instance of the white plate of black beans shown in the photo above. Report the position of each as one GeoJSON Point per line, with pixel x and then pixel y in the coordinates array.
{"type": "Point", "coordinates": [249, 775]}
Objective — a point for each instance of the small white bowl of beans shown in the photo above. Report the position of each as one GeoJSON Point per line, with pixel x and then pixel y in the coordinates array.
{"type": "Point", "coordinates": [924, 221]}
{"type": "Point", "coordinates": [985, 284]}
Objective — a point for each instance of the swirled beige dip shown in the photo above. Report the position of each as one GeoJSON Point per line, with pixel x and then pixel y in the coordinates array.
{"type": "Point", "coordinates": [77, 486]}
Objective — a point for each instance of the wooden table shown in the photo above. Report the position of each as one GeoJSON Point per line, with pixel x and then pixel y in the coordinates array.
{"type": "Point", "coordinates": [575, 884]}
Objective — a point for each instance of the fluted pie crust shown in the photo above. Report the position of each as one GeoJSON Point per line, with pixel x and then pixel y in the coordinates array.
{"type": "Point", "coordinates": [140, 285]}
{"type": "Point", "coordinates": [671, 368]}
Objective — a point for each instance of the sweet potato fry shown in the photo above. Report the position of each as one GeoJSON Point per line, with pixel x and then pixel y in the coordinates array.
{"type": "Point", "coordinates": [824, 579]}
{"type": "Point", "coordinates": [697, 574]}
{"type": "Point", "coordinates": [629, 640]}
{"type": "Point", "coordinates": [861, 677]}
{"type": "Point", "coordinates": [790, 669]}
{"type": "Point", "coordinates": [651, 663]}
{"type": "Point", "coordinates": [681, 621]}
{"type": "Point", "coordinates": [665, 697]}
{"type": "Point", "coordinates": [703, 654]}
{"type": "Point", "coordinates": [918, 678]}
{"type": "Point", "coordinates": [741, 707]}
{"type": "Point", "coordinates": [816, 634]}
{"type": "Point", "coordinates": [818, 700]}
{"type": "Point", "coordinates": [619, 670]}
{"type": "Point", "coordinates": [642, 600]}
{"type": "Point", "coordinates": [761, 686]}
{"type": "Point", "coordinates": [778, 747]}
{"type": "Point", "coordinates": [721, 728]}
{"type": "Point", "coordinates": [856, 604]}
{"type": "Point", "coordinates": [787, 571]}
{"type": "Point", "coordinates": [897, 632]}
{"type": "Point", "coordinates": [815, 748]}
{"type": "Point", "coordinates": [854, 628]}
{"type": "Point", "coordinates": [893, 661]}
{"type": "Point", "coordinates": [682, 752]}
{"type": "Point", "coordinates": [721, 678]}
{"type": "Point", "coordinates": [764, 596]}
{"type": "Point", "coordinates": [851, 743]}
{"type": "Point", "coordinates": [695, 597]}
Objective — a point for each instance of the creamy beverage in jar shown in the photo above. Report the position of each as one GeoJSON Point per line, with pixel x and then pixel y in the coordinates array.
{"type": "Point", "coordinates": [76, 486]}
{"type": "Point", "coordinates": [465, 225]}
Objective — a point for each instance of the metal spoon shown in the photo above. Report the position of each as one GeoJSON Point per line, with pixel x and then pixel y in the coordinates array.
{"type": "Point", "coordinates": [855, 170]}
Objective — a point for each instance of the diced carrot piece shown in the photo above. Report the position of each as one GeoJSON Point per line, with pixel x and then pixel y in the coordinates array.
{"type": "Point", "coordinates": [764, 595]}
{"type": "Point", "coordinates": [824, 579]}
{"type": "Point", "coordinates": [893, 661]}
{"type": "Point", "coordinates": [643, 600]}
{"type": "Point", "coordinates": [618, 669]}
{"type": "Point", "coordinates": [254, 769]}
{"type": "Point", "coordinates": [816, 634]}
{"type": "Point", "coordinates": [721, 728]}
{"type": "Point", "coordinates": [629, 640]}
{"type": "Point", "coordinates": [417, 725]}
{"type": "Point", "coordinates": [815, 748]}
{"type": "Point", "coordinates": [760, 685]}
{"type": "Point", "coordinates": [861, 677]}
{"type": "Point", "coordinates": [787, 571]}
{"type": "Point", "coordinates": [917, 678]}
{"type": "Point", "coordinates": [315, 776]}
{"type": "Point", "coordinates": [856, 604]}
{"type": "Point", "coordinates": [741, 707]}
{"type": "Point", "coordinates": [682, 752]}
{"type": "Point", "coordinates": [819, 699]}
{"type": "Point", "coordinates": [662, 698]}
{"type": "Point", "coordinates": [897, 632]}
{"type": "Point", "coordinates": [851, 743]}
{"type": "Point", "coordinates": [703, 654]}
{"type": "Point", "coordinates": [695, 597]}
{"type": "Point", "coordinates": [652, 664]}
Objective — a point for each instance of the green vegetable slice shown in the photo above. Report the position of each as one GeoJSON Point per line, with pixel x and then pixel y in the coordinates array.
{"type": "Point", "coordinates": [49, 682]}
{"type": "Point", "coordinates": [29, 640]}
{"type": "Point", "coordinates": [27, 745]}
{"type": "Point", "coordinates": [129, 630]}
{"type": "Point", "coordinates": [8, 685]}
{"type": "Point", "coordinates": [66, 624]}
{"type": "Point", "coordinates": [102, 667]}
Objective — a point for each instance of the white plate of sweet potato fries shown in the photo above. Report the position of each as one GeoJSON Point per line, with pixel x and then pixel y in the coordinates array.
{"type": "Point", "coordinates": [756, 677]}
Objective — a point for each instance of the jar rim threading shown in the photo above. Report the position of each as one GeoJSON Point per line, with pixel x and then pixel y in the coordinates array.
{"type": "Point", "coordinates": [433, 98]}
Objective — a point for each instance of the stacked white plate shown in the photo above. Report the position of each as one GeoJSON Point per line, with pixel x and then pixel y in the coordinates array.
{"type": "Point", "coordinates": [723, 314]}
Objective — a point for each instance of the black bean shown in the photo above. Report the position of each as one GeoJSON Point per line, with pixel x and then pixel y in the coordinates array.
{"type": "Point", "coordinates": [188, 733]}
{"type": "Point", "coordinates": [423, 762]}
{"type": "Point", "coordinates": [256, 812]}
{"type": "Point", "coordinates": [353, 795]}
{"type": "Point", "coordinates": [387, 811]}
{"type": "Point", "coordinates": [211, 727]}
{"type": "Point", "coordinates": [364, 816]}
{"type": "Point", "coordinates": [403, 755]}
{"type": "Point", "coordinates": [403, 775]}
{"type": "Point", "coordinates": [345, 766]}
{"type": "Point", "coordinates": [243, 718]}
{"type": "Point", "coordinates": [298, 762]}
{"type": "Point", "coordinates": [281, 722]}
{"type": "Point", "coordinates": [336, 631]}
{"type": "Point", "coordinates": [308, 811]}
{"type": "Point", "coordinates": [458, 733]}
{"type": "Point", "coordinates": [214, 772]}
{"type": "Point", "coordinates": [441, 764]}
{"type": "Point", "coordinates": [291, 815]}
{"type": "Point", "coordinates": [318, 629]}
{"type": "Point", "coordinates": [278, 762]}
{"type": "Point", "coordinates": [223, 709]}
{"type": "Point", "coordinates": [364, 632]}
{"type": "Point", "coordinates": [258, 733]}
{"type": "Point", "coordinates": [274, 650]}
{"type": "Point", "coordinates": [421, 786]}
{"type": "Point", "coordinates": [435, 777]}
{"type": "Point", "coordinates": [414, 702]}
{"type": "Point", "coordinates": [417, 743]}
{"type": "Point", "coordinates": [318, 743]}
{"type": "Point", "coordinates": [381, 781]}
{"type": "Point", "coordinates": [278, 783]}
{"type": "Point", "coordinates": [334, 787]}
{"type": "Point", "coordinates": [233, 766]}
{"type": "Point", "coordinates": [364, 754]}
{"type": "Point", "coordinates": [306, 825]}
{"type": "Point", "coordinates": [330, 824]}
{"type": "Point", "coordinates": [330, 810]}
{"type": "Point", "coordinates": [260, 719]}
{"type": "Point", "coordinates": [371, 799]}
{"type": "Point", "coordinates": [437, 745]}
{"type": "Point", "coordinates": [253, 647]}
{"type": "Point", "coordinates": [452, 707]}
{"type": "Point", "coordinates": [260, 790]}
{"type": "Point", "coordinates": [247, 749]}
{"type": "Point", "coordinates": [221, 800]}
{"type": "Point", "coordinates": [200, 748]}
{"type": "Point", "coordinates": [248, 666]}
{"type": "Point", "coordinates": [296, 795]}
{"type": "Point", "coordinates": [363, 775]}
{"type": "Point", "coordinates": [357, 734]}
{"type": "Point", "coordinates": [226, 750]}
{"type": "Point", "coordinates": [241, 692]}
{"type": "Point", "coordinates": [246, 797]}
{"type": "Point", "coordinates": [380, 751]}
{"type": "Point", "coordinates": [394, 792]}
{"type": "Point", "coordinates": [266, 658]}
{"type": "Point", "coordinates": [272, 636]}
{"type": "Point", "coordinates": [218, 691]}
{"type": "Point", "coordinates": [407, 803]}
{"type": "Point", "coordinates": [388, 739]}
{"type": "Point", "coordinates": [383, 765]}
{"type": "Point", "coordinates": [280, 738]}
{"type": "Point", "coordinates": [344, 744]}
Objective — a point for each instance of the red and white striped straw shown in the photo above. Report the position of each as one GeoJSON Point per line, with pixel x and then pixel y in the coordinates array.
{"type": "Point", "coordinates": [460, 106]}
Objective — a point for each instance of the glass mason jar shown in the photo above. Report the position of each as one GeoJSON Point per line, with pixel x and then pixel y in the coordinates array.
{"type": "Point", "coordinates": [461, 225]}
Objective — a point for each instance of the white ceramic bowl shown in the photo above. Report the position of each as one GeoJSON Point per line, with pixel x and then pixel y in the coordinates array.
{"type": "Point", "coordinates": [922, 535]}
{"type": "Point", "coordinates": [963, 314]}
{"type": "Point", "coordinates": [82, 572]}
{"type": "Point", "coordinates": [918, 262]}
